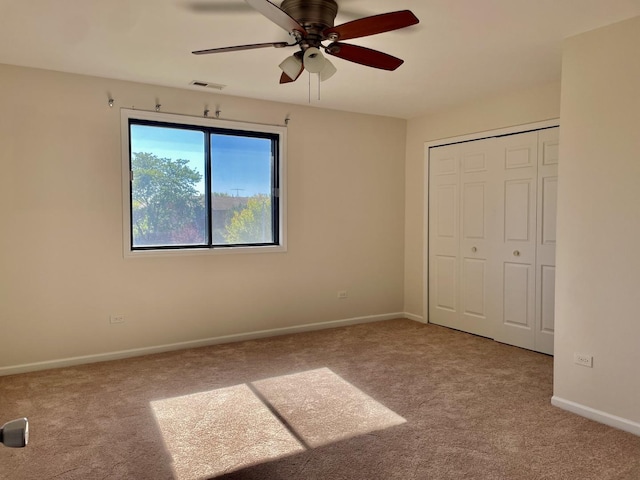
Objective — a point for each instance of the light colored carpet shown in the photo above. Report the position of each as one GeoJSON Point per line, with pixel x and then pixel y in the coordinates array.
{"type": "Point", "coordinates": [227, 429]}
{"type": "Point", "coordinates": [219, 431]}
{"type": "Point", "coordinates": [323, 408]}
{"type": "Point", "coordinates": [390, 400]}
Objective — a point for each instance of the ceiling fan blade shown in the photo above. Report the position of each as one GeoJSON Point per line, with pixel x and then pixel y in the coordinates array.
{"type": "Point", "coordinates": [284, 78]}
{"type": "Point", "coordinates": [277, 16]}
{"type": "Point", "coordinates": [364, 56]}
{"type": "Point", "coordinates": [243, 47]}
{"type": "Point", "coordinates": [375, 24]}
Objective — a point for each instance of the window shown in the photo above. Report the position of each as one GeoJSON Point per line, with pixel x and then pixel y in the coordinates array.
{"type": "Point", "coordinates": [201, 185]}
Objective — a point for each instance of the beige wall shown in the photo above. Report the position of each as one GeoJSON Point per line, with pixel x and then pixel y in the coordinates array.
{"type": "Point", "coordinates": [598, 259]}
{"type": "Point", "coordinates": [62, 266]}
{"type": "Point", "coordinates": [515, 108]}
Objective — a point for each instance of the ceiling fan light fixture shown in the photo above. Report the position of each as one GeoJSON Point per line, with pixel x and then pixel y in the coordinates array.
{"type": "Point", "coordinates": [291, 66]}
{"type": "Point", "coordinates": [327, 71]}
{"type": "Point", "coordinates": [314, 61]}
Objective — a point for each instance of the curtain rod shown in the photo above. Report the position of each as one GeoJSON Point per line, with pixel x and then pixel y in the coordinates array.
{"type": "Point", "coordinates": [205, 114]}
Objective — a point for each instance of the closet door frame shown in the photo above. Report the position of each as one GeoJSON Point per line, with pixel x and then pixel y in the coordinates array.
{"type": "Point", "coordinates": [449, 141]}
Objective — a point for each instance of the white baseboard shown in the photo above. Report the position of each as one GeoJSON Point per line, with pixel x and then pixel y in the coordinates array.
{"type": "Point", "coordinates": [415, 318]}
{"type": "Point", "coordinates": [137, 352]}
{"type": "Point", "coordinates": [597, 415]}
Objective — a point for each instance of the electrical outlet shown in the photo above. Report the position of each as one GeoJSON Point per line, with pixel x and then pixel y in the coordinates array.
{"type": "Point", "coordinates": [343, 294]}
{"type": "Point", "coordinates": [583, 359]}
{"type": "Point", "coordinates": [116, 319]}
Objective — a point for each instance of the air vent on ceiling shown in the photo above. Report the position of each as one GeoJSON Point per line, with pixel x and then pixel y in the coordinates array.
{"type": "Point", "coordinates": [215, 86]}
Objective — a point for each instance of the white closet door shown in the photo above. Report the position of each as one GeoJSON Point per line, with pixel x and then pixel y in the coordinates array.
{"type": "Point", "coordinates": [492, 236]}
{"type": "Point", "coordinates": [548, 146]}
{"type": "Point", "coordinates": [461, 223]}
{"type": "Point", "coordinates": [444, 218]}
{"type": "Point", "coordinates": [477, 236]}
{"type": "Point", "coordinates": [516, 248]}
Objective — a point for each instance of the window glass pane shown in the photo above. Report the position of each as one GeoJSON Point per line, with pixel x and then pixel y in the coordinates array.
{"type": "Point", "coordinates": [168, 189]}
{"type": "Point", "coordinates": [241, 190]}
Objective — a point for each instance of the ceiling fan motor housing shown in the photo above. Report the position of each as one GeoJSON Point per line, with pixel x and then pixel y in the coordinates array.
{"type": "Point", "coordinates": [314, 15]}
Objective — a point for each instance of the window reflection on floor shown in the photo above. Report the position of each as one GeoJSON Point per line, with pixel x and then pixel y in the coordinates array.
{"type": "Point", "coordinates": [223, 430]}
{"type": "Point", "coordinates": [323, 408]}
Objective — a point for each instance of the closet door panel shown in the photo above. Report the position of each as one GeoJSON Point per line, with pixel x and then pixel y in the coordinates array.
{"type": "Point", "coordinates": [516, 295]}
{"type": "Point", "coordinates": [477, 225]}
{"type": "Point", "coordinates": [547, 300]}
{"type": "Point", "coordinates": [444, 241]}
{"type": "Point", "coordinates": [548, 208]}
{"type": "Point", "coordinates": [517, 240]}
{"type": "Point", "coordinates": [548, 159]}
{"type": "Point", "coordinates": [518, 214]}
{"type": "Point", "coordinates": [473, 288]}
{"type": "Point", "coordinates": [445, 281]}
{"type": "Point", "coordinates": [473, 214]}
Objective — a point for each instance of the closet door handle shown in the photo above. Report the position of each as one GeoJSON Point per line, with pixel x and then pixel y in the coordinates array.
{"type": "Point", "coordinates": [474, 249]}
{"type": "Point", "coordinates": [516, 253]}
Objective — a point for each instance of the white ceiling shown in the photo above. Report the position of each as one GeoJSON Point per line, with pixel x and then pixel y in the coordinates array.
{"type": "Point", "coordinates": [461, 50]}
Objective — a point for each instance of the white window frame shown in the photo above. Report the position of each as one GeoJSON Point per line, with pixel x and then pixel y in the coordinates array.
{"type": "Point", "coordinates": [281, 131]}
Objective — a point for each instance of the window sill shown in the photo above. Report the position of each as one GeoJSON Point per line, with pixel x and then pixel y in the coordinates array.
{"type": "Point", "coordinates": [181, 252]}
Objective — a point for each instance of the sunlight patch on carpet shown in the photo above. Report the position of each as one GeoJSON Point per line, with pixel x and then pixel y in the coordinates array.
{"type": "Point", "coordinates": [211, 433]}
{"type": "Point", "coordinates": [323, 408]}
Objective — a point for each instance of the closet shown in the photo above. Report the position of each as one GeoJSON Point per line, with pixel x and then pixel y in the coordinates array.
{"type": "Point", "coordinates": [492, 235]}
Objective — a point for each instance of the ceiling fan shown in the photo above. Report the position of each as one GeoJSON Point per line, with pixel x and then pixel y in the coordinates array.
{"type": "Point", "coordinates": [309, 23]}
